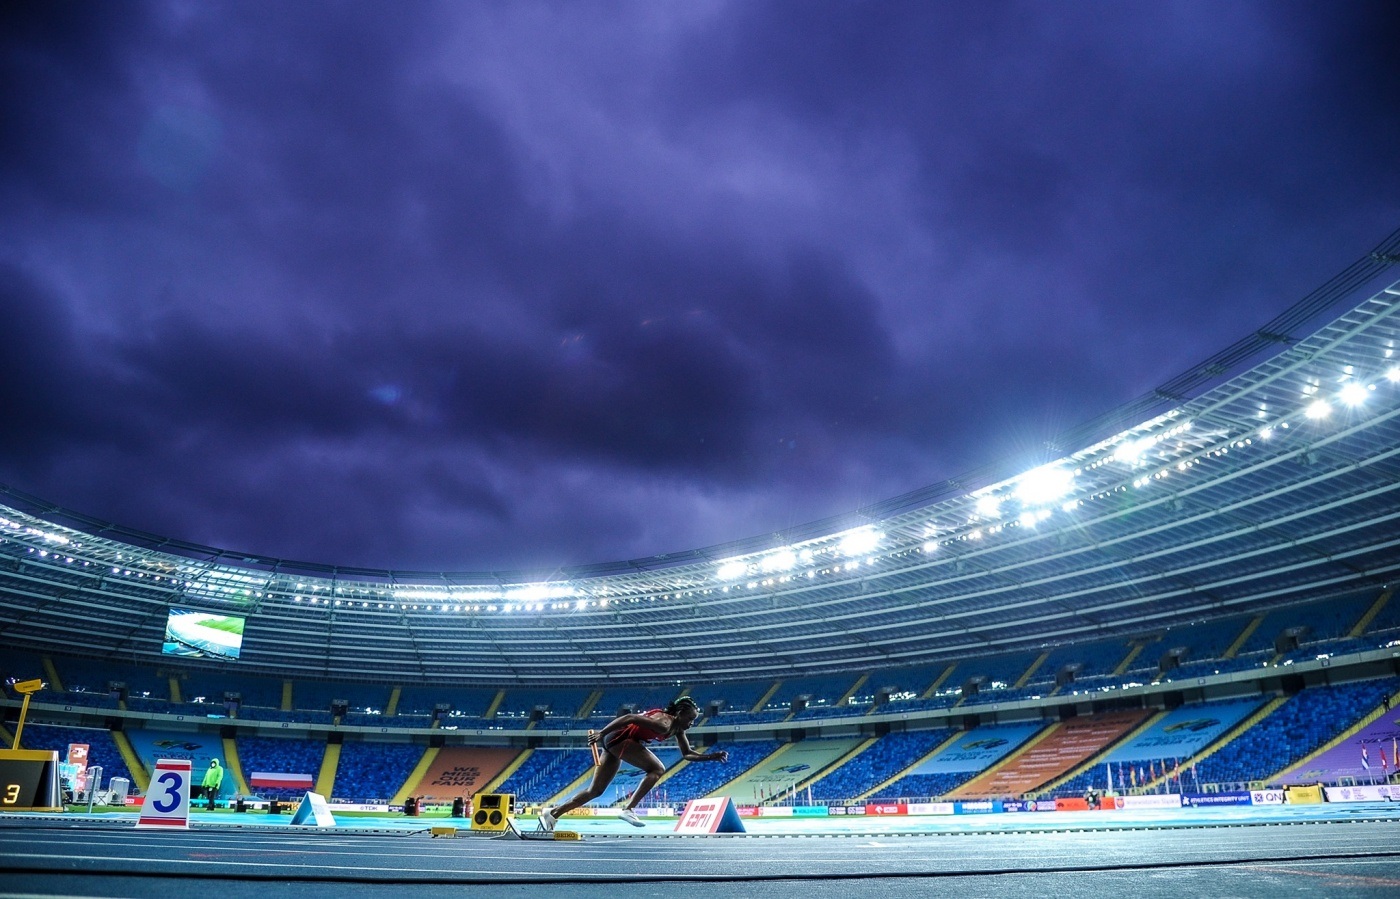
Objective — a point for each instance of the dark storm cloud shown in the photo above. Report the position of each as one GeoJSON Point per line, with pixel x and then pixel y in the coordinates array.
{"type": "Point", "coordinates": [490, 286]}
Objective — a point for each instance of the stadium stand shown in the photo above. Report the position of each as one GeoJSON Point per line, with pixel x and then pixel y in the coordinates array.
{"type": "Point", "coordinates": [1299, 726]}
{"type": "Point", "coordinates": [882, 761]}
{"type": "Point", "coordinates": [276, 755]}
{"type": "Point", "coordinates": [373, 772]}
{"type": "Point", "coordinates": [545, 774]}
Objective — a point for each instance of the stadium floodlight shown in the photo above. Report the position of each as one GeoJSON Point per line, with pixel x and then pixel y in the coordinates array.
{"type": "Point", "coordinates": [1130, 451]}
{"type": "Point", "coordinates": [1044, 485]}
{"type": "Point", "coordinates": [537, 593]}
{"type": "Point", "coordinates": [1393, 375]}
{"type": "Point", "coordinates": [989, 506]}
{"type": "Point", "coordinates": [1318, 410]}
{"type": "Point", "coordinates": [1027, 519]}
{"type": "Point", "coordinates": [732, 570]}
{"type": "Point", "coordinates": [860, 541]}
{"type": "Point", "coordinates": [782, 560]}
{"type": "Point", "coordinates": [1353, 393]}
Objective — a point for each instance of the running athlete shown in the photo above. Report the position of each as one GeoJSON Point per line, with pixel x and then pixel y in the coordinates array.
{"type": "Point", "coordinates": [623, 740]}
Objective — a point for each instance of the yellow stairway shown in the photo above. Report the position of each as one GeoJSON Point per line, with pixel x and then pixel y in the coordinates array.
{"type": "Point", "coordinates": [325, 778]}
{"type": "Point", "coordinates": [139, 775]}
{"type": "Point", "coordinates": [234, 766]}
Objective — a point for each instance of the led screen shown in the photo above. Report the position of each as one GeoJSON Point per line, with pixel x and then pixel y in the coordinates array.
{"type": "Point", "coordinates": [202, 635]}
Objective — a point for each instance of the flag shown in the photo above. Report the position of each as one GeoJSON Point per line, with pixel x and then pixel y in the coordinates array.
{"type": "Point", "coordinates": [1132, 772]}
{"type": "Point", "coordinates": [1385, 766]}
{"type": "Point", "coordinates": [1365, 759]}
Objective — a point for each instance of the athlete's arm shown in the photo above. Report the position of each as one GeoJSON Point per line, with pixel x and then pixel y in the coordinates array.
{"type": "Point", "coordinates": [690, 755]}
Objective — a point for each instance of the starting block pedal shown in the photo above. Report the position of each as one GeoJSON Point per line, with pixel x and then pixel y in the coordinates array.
{"type": "Point", "coordinates": [514, 832]}
{"type": "Point", "coordinates": [444, 831]}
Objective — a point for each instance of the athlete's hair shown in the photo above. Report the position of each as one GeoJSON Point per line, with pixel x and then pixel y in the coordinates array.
{"type": "Point", "coordinates": [683, 702]}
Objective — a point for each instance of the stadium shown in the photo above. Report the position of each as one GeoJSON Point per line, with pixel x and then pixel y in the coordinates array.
{"type": "Point", "coordinates": [1189, 611]}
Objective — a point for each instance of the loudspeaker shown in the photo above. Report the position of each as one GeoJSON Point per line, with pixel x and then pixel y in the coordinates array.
{"type": "Point", "coordinates": [492, 811]}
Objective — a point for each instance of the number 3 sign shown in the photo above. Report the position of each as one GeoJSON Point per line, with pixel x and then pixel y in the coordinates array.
{"type": "Point", "coordinates": [167, 801]}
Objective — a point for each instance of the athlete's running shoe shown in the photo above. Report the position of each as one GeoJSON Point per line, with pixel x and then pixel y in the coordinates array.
{"type": "Point", "coordinates": [546, 821]}
{"type": "Point", "coordinates": [631, 818]}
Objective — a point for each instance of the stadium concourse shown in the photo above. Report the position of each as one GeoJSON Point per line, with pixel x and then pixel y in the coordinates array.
{"type": "Point", "coordinates": [1165, 661]}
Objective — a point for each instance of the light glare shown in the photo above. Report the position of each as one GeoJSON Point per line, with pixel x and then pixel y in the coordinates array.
{"type": "Point", "coordinates": [1353, 394]}
{"type": "Point", "coordinates": [1044, 485]}
{"type": "Point", "coordinates": [860, 542]}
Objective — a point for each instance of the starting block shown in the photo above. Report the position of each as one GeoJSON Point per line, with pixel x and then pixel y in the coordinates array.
{"type": "Point", "coordinates": [444, 831]}
{"type": "Point", "coordinates": [515, 833]}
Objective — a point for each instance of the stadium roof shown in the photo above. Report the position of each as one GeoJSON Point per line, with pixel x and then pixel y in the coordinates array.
{"type": "Point", "coordinates": [1267, 475]}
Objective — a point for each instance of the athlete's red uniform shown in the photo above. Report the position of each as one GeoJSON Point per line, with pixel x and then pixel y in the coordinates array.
{"type": "Point", "coordinates": [635, 732]}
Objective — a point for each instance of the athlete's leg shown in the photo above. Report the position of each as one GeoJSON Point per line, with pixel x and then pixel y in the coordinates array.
{"type": "Point", "coordinates": [638, 755]}
{"type": "Point", "coordinates": [602, 776]}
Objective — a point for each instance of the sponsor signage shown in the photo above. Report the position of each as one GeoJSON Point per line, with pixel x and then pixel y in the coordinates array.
{"type": "Point", "coordinates": [716, 815]}
{"type": "Point", "coordinates": [977, 807]}
{"type": "Point", "coordinates": [886, 808]}
{"type": "Point", "coordinates": [1200, 800]}
{"type": "Point", "coordinates": [1365, 793]}
{"type": "Point", "coordinates": [1152, 800]}
{"type": "Point", "coordinates": [1305, 795]}
{"type": "Point", "coordinates": [931, 808]}
{"type": "Point", "coordinates": [1266, 797]}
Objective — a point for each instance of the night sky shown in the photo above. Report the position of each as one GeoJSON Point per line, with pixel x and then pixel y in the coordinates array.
{"type": "Point", "coordinates": [525, 285]}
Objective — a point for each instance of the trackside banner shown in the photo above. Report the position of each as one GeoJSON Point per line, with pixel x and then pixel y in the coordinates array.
{"type": "Point", "coordinates": [1365, 793]}
{"type": "Point", "coordinates": [931, 808]}
{"type": "Point", "coordinates": [886, 808]}
{"type": "Point", "coordinates": [1305, 795]}
{"type": "Point", "coordinates": [1162, 800]}
{"type": "Point", "coordinates": [977, 806]}
{"type": "Point", "coordinates": [1028, 805]}
{"type": "Point", "coordinates": [1198, 800]}
{"type": "Point", "coordinates": [1266, 797]}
